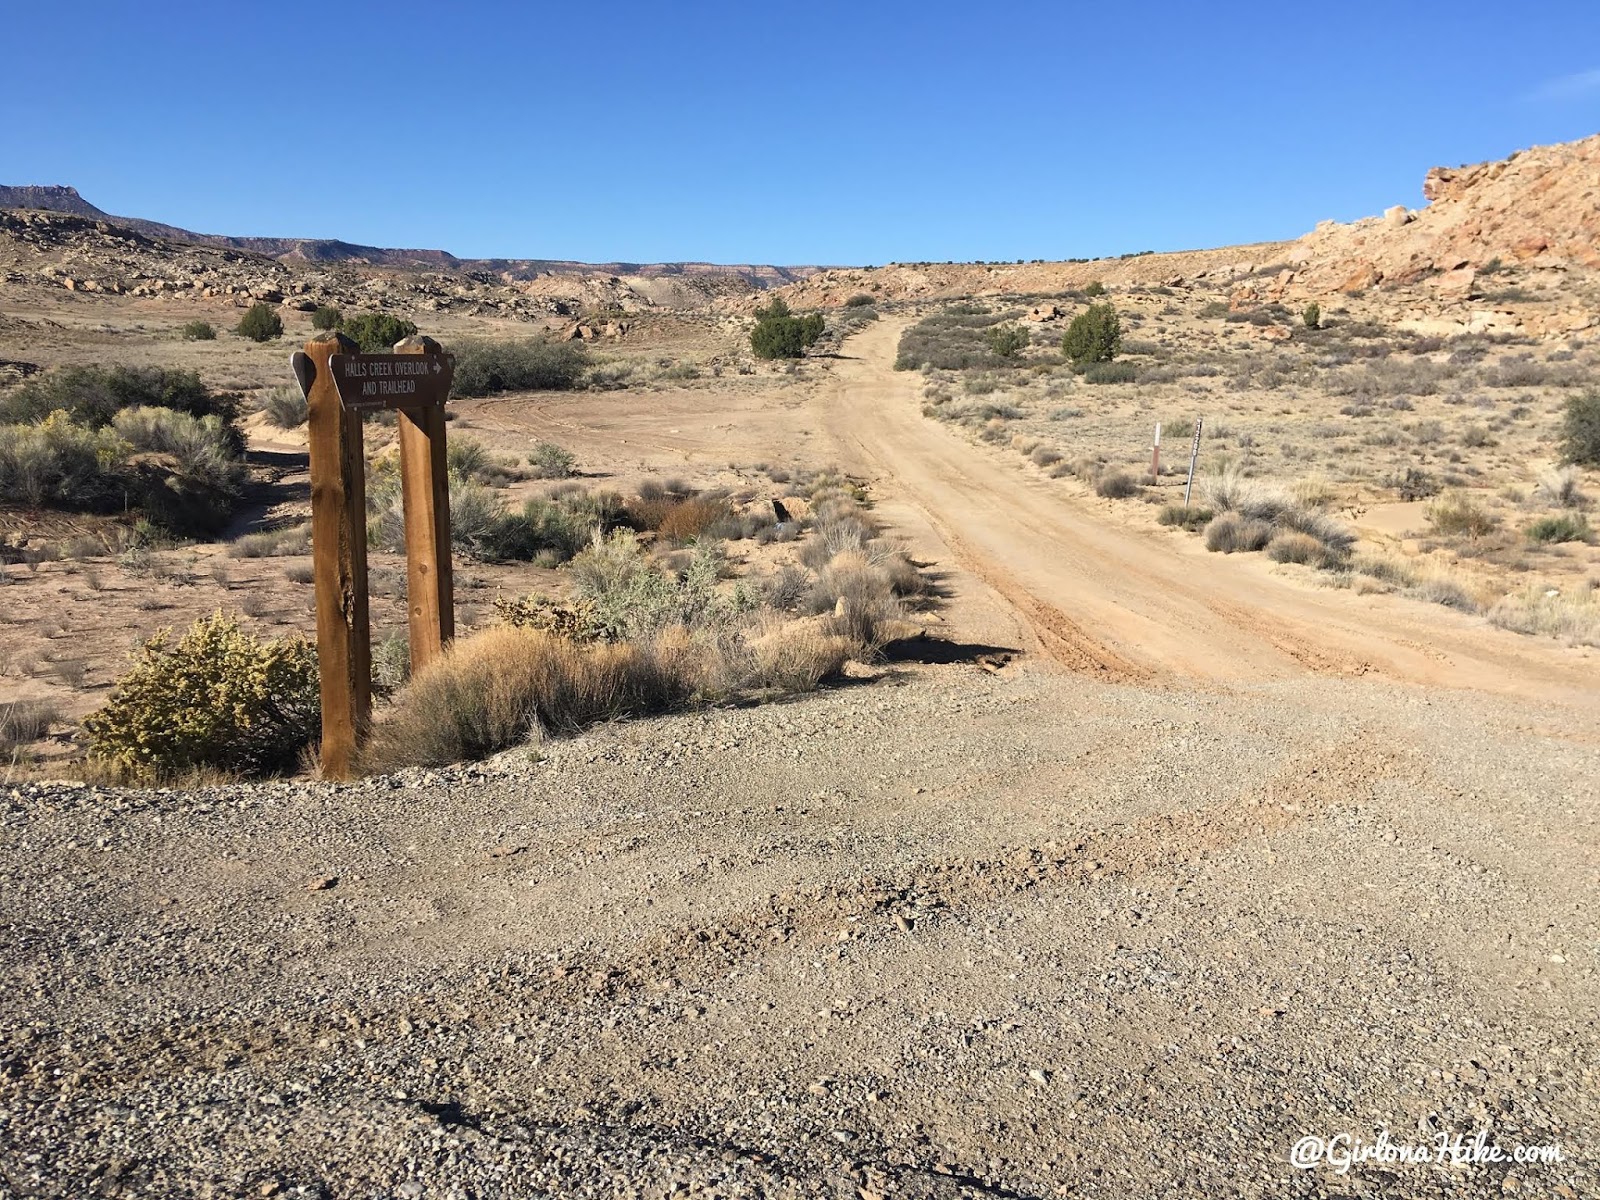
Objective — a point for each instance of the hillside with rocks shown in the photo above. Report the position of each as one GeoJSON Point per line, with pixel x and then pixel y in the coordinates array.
{"type": "Point", "coordinates": [1536, 213]}
{"type": "Point", "coordinates": [67, 200]}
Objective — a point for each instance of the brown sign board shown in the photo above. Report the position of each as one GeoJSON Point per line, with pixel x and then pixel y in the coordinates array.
{"type": "Point", "coordinates": [368, 382]}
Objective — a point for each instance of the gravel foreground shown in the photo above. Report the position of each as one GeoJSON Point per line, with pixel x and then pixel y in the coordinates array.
{"type": "Point", "coordinates": [945, 934]}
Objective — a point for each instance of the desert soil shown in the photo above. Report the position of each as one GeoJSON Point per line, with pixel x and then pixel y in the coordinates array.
{"type": "Point", "coordinates": [1221, 860]}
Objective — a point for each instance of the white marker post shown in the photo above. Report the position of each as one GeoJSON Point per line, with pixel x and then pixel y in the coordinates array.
{"type": "Point", "coordinates": [1194, 455]}
{"type": "Point", "coordinates": [1155, 456]}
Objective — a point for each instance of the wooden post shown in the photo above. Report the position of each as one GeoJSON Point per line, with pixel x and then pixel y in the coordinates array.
{"type": "Point", "coordinates": [425, 488]}
{"type": "Point", "coordinates": [1155, 456]}
{"type": "Point", "coordinates": [339, 557]}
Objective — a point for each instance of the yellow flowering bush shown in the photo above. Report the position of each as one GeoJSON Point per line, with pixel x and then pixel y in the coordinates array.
{"type": "Point", "coordinates": [219, 697]}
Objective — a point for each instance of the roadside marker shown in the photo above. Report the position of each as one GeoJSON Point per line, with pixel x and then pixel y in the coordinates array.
{"type": "Point", "coordinates": [340, 386]}
{"type": "Point", "coordinates": [1194, 454]}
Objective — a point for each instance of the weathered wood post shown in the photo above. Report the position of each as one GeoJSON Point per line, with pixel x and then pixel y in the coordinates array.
{"type": "Point", "coordinates": [1194, 457]}
{"type": "Point", "coordinates": [425, 488]}
{"type": "Point", "coordinates": [339, 556]}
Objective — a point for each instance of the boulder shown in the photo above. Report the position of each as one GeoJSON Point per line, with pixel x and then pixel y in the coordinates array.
{"type": "Point", "coordinates": [1394, 218]}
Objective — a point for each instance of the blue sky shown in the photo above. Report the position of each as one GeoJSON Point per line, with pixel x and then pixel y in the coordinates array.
{"type": "Point", "coordinates": [791, 133]}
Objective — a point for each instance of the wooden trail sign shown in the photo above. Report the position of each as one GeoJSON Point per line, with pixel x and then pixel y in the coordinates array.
{"type": "Point", "coordinates": [341, 385]}
{"type": "Point", "coordinates": [370, 382]}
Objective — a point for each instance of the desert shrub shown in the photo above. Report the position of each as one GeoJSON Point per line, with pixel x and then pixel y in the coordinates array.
{"type": "Point", "coordinates": [1439, 589]}
{"type": "Point", "coordinates": [260, 323]}
{"type": "Point", "coordinates": [285, 407]}
{"type": "Point", "coordinates": [632, 598]}
{"type": "Point", "coordinates": [858, 599]}
{"type": "Point", "coordinates": [377, 332]}
{"type": "Point", "coordinates": [1559, 486]}
{"type": "Point", "coordinates": [60, 463]}
{"type": "Point", "coordinates": [1294, 547]}
{"type": "Point", "coordinates": [1573, 616]}
{"type": "Point", "coordinates": [780, 334]}
{"type": "Point", "coordinates": [860, 300]}
{"type": "Point", "coordinates": [1415, 484]}
{"type": "Point", "coordinates": [1044, 456]}
{"type": "Point", "coordinates": [1095, 288]}
{"type": "Point", "coordinates": [199, 331]}
{"type": "Point", "coordinates": [1116, 485]}
{"type": "Point", "coordinates": [691, 518]}
{"type": "Point", "coordinates": [1456, 513]}
{"type": "Point", "coordinates": [181, 471]}
{"type": "Point", "coordinates": [1184, 516]}
{"type": "Point", "coordinates": [1229, 532]}
{"type": "Point", "coordinates": [1580, 429]}
{"type": "Point", "coordinates": [216, 698]}
{"type": "Point", "coordinates": [486, 368]}
{"type": "Point", "coordinates": [296, 539]}
{"type": "Point", "coordinates": [326, 316]}
{"type": "Point", "coordinates": [1560, 527]}
{"type": "Point", "coordinates": [25, 721]}
{"type": "Point", "coordinates": [497, 689]}
{"type": "Point", "coordinates": [794, 656]}
{"type": "Point", "coordinates": [93, 395]}
{"type": "Point", "coordinates": [1111, 372]}
{"type": "Point", "coordinates": [1311, 315]}
{"type": "Point", "coordinates": [550, 461]}
{"type": "Point", "coordinates": [391, 664]}
{"type": "Point", "coordinates": [956, 339]}
{"type": "Point", "coordinates": [1008, 341]}
{"type": "Point", "coordinates": [467, 458]}
{"type": "Point", "coordinates": [1094, 336]}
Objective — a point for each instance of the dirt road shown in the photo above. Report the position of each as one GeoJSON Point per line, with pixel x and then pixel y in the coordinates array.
{"type": "Point", "coordinates": [1128, 602]}
{"type": "Point", "coordinates": [1219, 874]}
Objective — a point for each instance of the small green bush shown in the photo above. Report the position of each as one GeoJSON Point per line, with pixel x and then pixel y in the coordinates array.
{"type": "Point", "coordinates": [781, 334]}
{"type": "Point", "coordinates": [93, 395]}
{"type": "Point", "coordinates": [217, 698]}
{"type": "Point", "coordinates": [199, 331]}
{"type": "Point", "coordinates": [1456, 513]}
{"type": "Point", "coordinates": [487, 368]}
{"type": "Point", "coordinates": [261, 323]}
{"type": "Point", "coordinates": [550, 461]}
{"type": "Point", "coordinates": [1580, 429]}
{"type": "Point", "coordinates": [1229, 532]}
{"type": "Point", "coordinates": [60, 463]}
{"type": "Point", "coordinates": [1095, 288]}
{"type": "Point", "coordinates": [1561, 527]}
{"type": "Point", "coordinates": [1008, 341]}
{"type": "Point", "coordinates": [1116, 485]}
{"type": "Point", "coordinates": [1111, 372]}
{"type": "Point", "coordinates": [1184, 516]}
{"type": "Point", "coordinates": [1312, 315]}
{"type": "Point", "coordinates": [860, 300]}
{"type": "Point", "coordinates": [327, 316]}
{"type": "Point", "coordinates": [285, 408]}
{"type": "Point", "coordinates": [377, 332]}
{"type": "Point", "coordinates": [1094, 336]}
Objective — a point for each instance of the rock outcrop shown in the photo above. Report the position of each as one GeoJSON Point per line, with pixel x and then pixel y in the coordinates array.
{"type": "Point", "coordinates": [1540, 207]}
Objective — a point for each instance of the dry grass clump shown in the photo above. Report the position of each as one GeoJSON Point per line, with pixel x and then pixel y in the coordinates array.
{"type": "Point", "coordinates": [859, 599]}
{"type": "Point", "coordinates": [1573, 617]}
{"type": "Point", "coordinates": [1116, 484]}
{"type": "Point", "coordinates": [1559, 486]}
{"type": "Point", "coordinates": [795, 656]}
{"type": "Point", "coordinates": [23, 722]}
{"type": "Point", "coordinates": [1292, 546]}
{"type": "Point", "coordinates": [1231, 533]}
{"type": "Point", "coordinates": [294, 539]}
{"type": "Point", "coordinates": [500, 687]}
{"type": "Point", "coordinates": [1456, 513]}
{"type": "Point", "coordinates": [1260, 510]}
{"type": "Point", "coordinates": [685, 520]}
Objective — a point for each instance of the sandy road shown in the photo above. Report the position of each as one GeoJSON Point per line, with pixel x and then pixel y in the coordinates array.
{"type": "Point", "coordinates": [1137, 604]}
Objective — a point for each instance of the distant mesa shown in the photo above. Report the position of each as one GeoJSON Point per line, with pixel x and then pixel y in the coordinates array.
{"type": "Point", "coordinates": [62, 199]}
